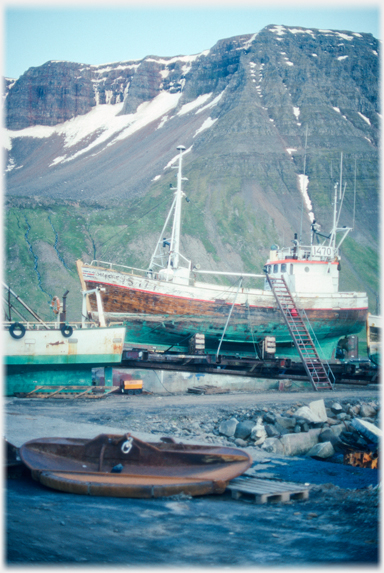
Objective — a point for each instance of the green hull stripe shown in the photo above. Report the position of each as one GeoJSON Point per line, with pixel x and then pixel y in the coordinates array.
{"type": "Point", "coordinates": [65, 359]}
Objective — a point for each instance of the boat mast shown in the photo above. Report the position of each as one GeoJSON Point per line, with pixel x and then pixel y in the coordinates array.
{"type": "Point", "coordinates": [332, 239]}
{"type": "Point", "coordinates": [173, 241]}
{"type": "Point", "coordinates": [173, 261]}
{"type": "Point", "coordinates": [336, 216]}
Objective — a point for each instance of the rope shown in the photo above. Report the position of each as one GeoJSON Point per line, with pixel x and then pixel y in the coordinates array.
{"type": "Point", "coordinates": [250, 325]}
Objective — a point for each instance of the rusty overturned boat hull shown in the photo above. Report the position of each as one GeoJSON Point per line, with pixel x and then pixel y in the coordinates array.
{"type": "Point", "coordinates": [124, 466]}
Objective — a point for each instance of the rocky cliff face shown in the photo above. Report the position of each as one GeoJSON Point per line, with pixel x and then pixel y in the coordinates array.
{"type": "Point", "coordinates": [256, 113]}
{"type": "Point", "coordinates": [342, 66]}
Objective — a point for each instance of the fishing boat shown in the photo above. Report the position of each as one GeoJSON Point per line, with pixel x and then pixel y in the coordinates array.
{"type": "Point", "coordinates": [124, 466]}
{"type": "Point", "coordinates": [168, 302]}
{"type": "Point", "coordinates": [38, 352]}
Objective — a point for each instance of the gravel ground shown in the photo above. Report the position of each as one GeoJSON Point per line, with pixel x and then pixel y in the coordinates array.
{"type": "Point", "coordinates": [337, 525]}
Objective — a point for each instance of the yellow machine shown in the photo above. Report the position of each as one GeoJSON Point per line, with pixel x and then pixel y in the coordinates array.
{"type": "Point", "coordinates": [129, 385]}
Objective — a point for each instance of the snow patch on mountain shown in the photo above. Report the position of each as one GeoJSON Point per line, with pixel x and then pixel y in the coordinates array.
{"type": "Point", "coordinates": [303, 186]}
{"type": "Point", "coordinates": [366, 119]}
{"type": "Point", "coordinates": [211, 103]}
{"type": "Point", "coordinates": [247, 43]}
{"type": "Point", "coordinates": [186, 108]}
{"type": "Point", "coordinates": [296, 111]}
{"type": "Point", "coordinates": [101, 124]}
{"type": "Point", "coordinates": [206, 125]}
{"type": "Point", "coordinates": [302, 31]}
{"type": "Point", "coordinates": [279, 30]}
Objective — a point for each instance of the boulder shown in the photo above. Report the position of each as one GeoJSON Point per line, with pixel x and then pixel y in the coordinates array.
{"type": "Point", "coordinates": [354, 410]}
{"type": "Point", "coordinates": [368, 430]}
{"type": "Point", "coordinates": [318, 407]}
{"type": "Point", "coordinates": [228, 427]}
{"type": "Point", "coordinates": [308, 414]}
{"type": "Point", "coordinates": [280, 429]}
{"type": "Point", "coordinates": [337, 408]}
{"type": "Point", "coordinates": [285, 422]}
{"type": "Point", "coordinates": [273, 445]}
{"type": "Point", "coordinates": [258, 434]}
{"type": "Point", "coordinates": [271, 430]}
{"type": "Point", "coordinates": [299, 444]}
{"type": "Point", "coordinates": [304, 426]}
{"type": "Point", "coordinates": [367, 411]}
{"type": "Point", "coordinates": [243, 429]}
{"type": "Point", "coordinates": [241, 443]}
{"type": "Point", "coordinates": [337, 429]}
{"type": "Point", "coordinates": [269, 418]}
{"type": "Point", "coordinates": [328, 436]}
{"type": "Point", "coordinates": [321, 450]}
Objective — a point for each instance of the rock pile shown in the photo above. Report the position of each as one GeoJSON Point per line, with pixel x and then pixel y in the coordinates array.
{"type": "Point", "coordinates": [319, 428]}
{"type": "Point", "coordinates": [312, 429]}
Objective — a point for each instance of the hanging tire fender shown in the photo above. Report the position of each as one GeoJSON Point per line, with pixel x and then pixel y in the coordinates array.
{"type": "Point", "coordinates": [66, 330]}
{"type": "Point", "coordinates": [17, 326]}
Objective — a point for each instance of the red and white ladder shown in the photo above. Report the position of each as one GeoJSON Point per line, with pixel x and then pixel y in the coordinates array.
{"type": "Point", "coordinates": [320, 374]}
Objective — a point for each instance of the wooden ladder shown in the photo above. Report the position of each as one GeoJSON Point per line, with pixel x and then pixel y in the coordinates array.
{"type": "Point", "coordinates": [319, 375]}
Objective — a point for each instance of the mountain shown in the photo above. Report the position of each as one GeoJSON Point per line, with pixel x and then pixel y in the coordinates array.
{"type": "Point", "coordinates": [269, 121]}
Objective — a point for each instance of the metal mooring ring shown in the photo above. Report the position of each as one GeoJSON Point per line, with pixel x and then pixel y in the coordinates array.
{"type": "Point", "coordinates": [126, 446]}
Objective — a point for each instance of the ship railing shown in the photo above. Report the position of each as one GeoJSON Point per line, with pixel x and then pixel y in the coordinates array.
{"type": "Point", "coordinates": [228, 274]}
{"type": "Point", "coordinates": [29, 325]}
{"type": "Point", "coordinates": [306, 252]}
{"type": "Point", "coordinates": [115, 266]}
{"type": "Point", "coordinates": [154, 275]}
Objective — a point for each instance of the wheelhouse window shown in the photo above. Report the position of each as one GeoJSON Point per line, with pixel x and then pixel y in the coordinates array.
{"type": "Point", "coordinates": [283, 268]}
{"type": "Point", "coordinates": [275, 268]}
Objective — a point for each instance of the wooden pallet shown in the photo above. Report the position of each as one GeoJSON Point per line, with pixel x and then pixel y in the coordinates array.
{"type": "Point", "coordinates": [263, 490]}
{"type": "Point", "coordinates": [207, 389]}
{"type": "Point", "coordinates": [69, 392]}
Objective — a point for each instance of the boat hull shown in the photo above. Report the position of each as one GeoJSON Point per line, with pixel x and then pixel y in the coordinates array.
{"type": "Point", "coordinates": [47, 357]}
{"type": "Point", "coordinates": [124, 466]}
{"type": "Point", "coordinates": [161, 313]}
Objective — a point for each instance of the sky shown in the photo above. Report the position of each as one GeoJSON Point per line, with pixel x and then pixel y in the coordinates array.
{"type": "Point", "coordinates": [35, 33]}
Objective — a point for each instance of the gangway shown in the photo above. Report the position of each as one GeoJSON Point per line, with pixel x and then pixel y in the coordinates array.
{"type": "Point", "coordinates": [318, 373]}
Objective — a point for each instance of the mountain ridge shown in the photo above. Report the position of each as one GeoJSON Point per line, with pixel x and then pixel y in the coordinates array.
{"type": "Point", "coordinates": [264, 117]}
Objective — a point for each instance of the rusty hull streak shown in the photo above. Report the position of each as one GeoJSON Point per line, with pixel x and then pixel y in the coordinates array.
{"type": "Point", "coordinates": [55, 343]}
{"type": "Point", "coordinates": [187, 313]}
{"type": "Point", "coordinates": [148, 469]}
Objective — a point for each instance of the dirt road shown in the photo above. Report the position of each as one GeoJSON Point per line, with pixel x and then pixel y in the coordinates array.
{"type": "Point", "coordinates": [337, 525]}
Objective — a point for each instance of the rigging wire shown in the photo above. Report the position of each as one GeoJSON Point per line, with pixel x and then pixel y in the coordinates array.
{"type": "Point", "coordinates": [132, 224]}
{"type": "Point", "coordinates": [161, 382]}
{"type": "Point", "coordinates": [250, 324]}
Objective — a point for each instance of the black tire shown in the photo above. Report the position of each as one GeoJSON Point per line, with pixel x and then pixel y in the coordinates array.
{"type": "Point", "coordinates": [66, 330]}
{"type": "Point", "coordinates": [17, 326]}
{"type": "Point", "coordinates": [138, 391]}
{"type": "Point", "coordinates": [130, 392]}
